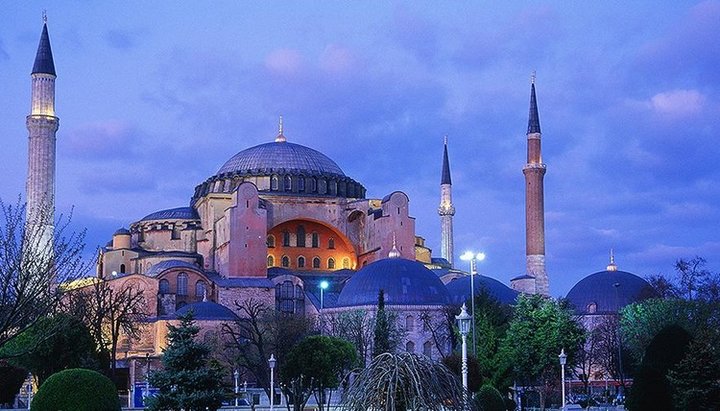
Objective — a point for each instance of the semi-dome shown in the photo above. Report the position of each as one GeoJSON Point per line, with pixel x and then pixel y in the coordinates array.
{"type": "Point", "coordinates": [208, 310]}
{"type": "Point", "coordinates": [405, 282]}
{"type": "Point", "coordinates": [281, 157]}
{"type": "Point", "coordinates": [459, 289]}
{"type": "Point", "coordinates": [605, 292]}
{"type": "Point", "coordinates": [179, 213]}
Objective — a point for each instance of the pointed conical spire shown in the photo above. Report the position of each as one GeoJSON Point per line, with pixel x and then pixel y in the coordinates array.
{"type": "Point", "coordinates": [445, 166]}
{"type": "Point", "coordinates": [612, 266]}
{"type": "Point", "coordinates": [280, 137]}
{"type": "Point", "coordinates": [534, 119]}
{"type": "Point", "coordinates": [44, 59]}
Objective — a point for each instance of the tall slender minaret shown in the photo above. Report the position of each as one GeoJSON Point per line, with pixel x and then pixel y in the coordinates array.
{"type": "Point", "coordinates": [42, 125]}
{"type": "Point", "coordinates": [534, 172]}
{"type": "Point", "coordinates": [446, 210]}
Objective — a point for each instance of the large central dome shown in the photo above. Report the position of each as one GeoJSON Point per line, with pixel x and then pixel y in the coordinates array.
{"type": "Point", "coordinates": [281, 157]}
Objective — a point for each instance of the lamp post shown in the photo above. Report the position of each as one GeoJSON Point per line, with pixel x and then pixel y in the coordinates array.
{"type": "Point", "coordinates": [619, 340]}
{"type": "Point", "coordinates": [473, 258]}
{"type": "Point", "coordinates": [563, 361]}
{"type": "Point", "coordinates": [147, 375]}
{"type": "Point", "coordinates": [236, 374]}
{"type": "Point", "coordinates": [323, 286]}
{"type": "Point", "coordinates": [271, 363]}
{"type": "Point", "coordinates": [463, 322]}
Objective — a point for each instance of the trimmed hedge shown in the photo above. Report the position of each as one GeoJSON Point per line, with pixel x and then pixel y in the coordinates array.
{"type": "Point", "coordinates": [76, 389]}
{"type": "Point", "coordinates": [489, 399]}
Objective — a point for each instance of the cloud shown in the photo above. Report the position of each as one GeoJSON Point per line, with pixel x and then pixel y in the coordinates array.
{"type": "Point", "coordinates": [121, 39]}
{"type": "Point", "coordinates": [678, 103]}
{"type": "Point", "coordinates": [286, 62]}
{"type": "Point", "coordinates": [336, 59]}
{"type": "Point", "coordinates": [102, 141]}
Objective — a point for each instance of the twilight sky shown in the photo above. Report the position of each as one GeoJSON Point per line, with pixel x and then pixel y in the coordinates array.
{"type": "Point", "coordinates": [154, 98]}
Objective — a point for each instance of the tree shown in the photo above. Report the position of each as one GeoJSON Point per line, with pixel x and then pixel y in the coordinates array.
{"type": "Point", "coordinates": [109, 308]}
{"type": "Point", "coordinates": [441, 328]}
{"type": "Point", "coordinates": [696, 378]}
{"type": "Point", "coordinates": [77, 389]}
{"type": "Point", "coordinates": [187, 381]}
{"type": "Point", "coordinates": [384, 332]}
{"type": "Point", "coordinates": [540, 328]}
{"type": "Point", "coordinates": [31, 266]}
{"type": "Point", "coordinates": [402, 381]}
{"type": "Point", "coordinates": [489, 399]}
{"type": "Point", "coordinates": [320, 362]}
{"type": "Point", "coordinates": [492, 320]}
{"type": "Point", "coordinates": [355, 326]}
{"type": "Point", "coordinates": [454, 363]}
{"type": "Point", "coordinates": [11, 380]}
{"type": "Point", "coordinates": [51, 345]}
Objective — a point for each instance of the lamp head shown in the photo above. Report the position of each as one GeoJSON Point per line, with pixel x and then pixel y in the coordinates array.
{"type": "Point", "coordinates": [480, 256]}
{"type": "Point", "coordinates": [467, 256]}
{"type": "Point", "coordinates": [324, 285]}
{"type": "Point", "coordinates": [563, 357]}
{"type": "Point", "coordinates": [272, 361]}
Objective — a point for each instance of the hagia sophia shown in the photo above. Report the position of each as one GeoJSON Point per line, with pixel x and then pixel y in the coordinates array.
{"type": "Point", "coordinates": [279, 219]}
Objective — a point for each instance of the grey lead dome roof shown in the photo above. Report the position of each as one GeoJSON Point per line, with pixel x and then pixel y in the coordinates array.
{"type": "Point", "coordinates": [179, 213]}
{"type": "Point", "coordinates": [281, 157]}
{"type": "Point", "coordinates": [405, 282]}
{"type": "Point", "coordinates": [459, 289]}
{"type": "Point", "coordinates": [600, 289]}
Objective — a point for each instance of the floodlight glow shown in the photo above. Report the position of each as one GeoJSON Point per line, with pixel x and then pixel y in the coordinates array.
{"type": "Point", "coordinates": [480, 256]}
{"type": "Point", "coordinates": [324, 285]}
{"type": "Point", "coordinates": [467, 256]}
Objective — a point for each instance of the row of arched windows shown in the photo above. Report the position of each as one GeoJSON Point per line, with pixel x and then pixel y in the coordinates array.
{"type": "Point", "coordinates": [427, 348]}
{"type": "Point", "coordinates": [300, 239]}
{"type": "Point", "coordinates": [301, 184]}
{"type": "Point", "coordinates": [302, 262]}
{"type": "Point", "coordinates": [182, 286]}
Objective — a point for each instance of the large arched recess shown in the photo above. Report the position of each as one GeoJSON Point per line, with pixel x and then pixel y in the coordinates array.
{"type": "Point", "coordinates": [333, 249]}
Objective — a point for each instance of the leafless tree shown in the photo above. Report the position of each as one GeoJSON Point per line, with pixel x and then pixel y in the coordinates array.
{"type": "Point", "coordinates": [355, 326]}
{"type": "Point", "coordinates": [439, 327]}
{"type": "Point", "coordinates": [34, 261]}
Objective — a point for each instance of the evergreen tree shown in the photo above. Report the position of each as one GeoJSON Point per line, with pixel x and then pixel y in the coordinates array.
{"type": "Point", "coordinates": [187, 380]}
{"type": "Point", "coordinates": [381, 340]}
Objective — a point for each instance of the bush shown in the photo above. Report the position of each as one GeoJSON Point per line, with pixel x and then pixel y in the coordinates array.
{"type": "Point", "coordinates": [76, 389]}
{"type": "Point", "coordinates": [489, 399]}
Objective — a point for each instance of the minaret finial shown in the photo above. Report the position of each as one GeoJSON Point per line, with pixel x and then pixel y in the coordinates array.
{"type": "Point", "coordinates": [612, 266]}
{"type": "Point", "coordinates": [532, 77]}
{"type": "Point", "coordinates": [394, 253]}
{"type": "Point", "coordinates": [44, 16]}
{"type": "Point", "coordinates": [280, 137]}
{"type": "Point", "coordinates": [445, 140]}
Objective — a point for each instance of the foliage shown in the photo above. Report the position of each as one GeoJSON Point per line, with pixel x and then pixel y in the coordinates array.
{"type": "Point", "coordinates": [11, 380]}
{"type": "Point", "coordinates": [319, 361]}
{"type": "Point", "coordinates": [262, 331]}
{"type": "Point", "coordinates": [692, 282]}
{"type": "Point", "coordinates": [31, 266]}
{"type": "Point", "coordinates": [540, 328]}
{"type": "Point", "coordinates": [381, 338]}
{"type": "Point", "coordinates": [355, 326]}
{"type": "Point", "coordinates": [696, 378]}
{"type": "Point", "coordinates": [109, 309]}
{"type": "Point", "coordinates": [454, 364]}
{"type": "Point", "coordinates": [400, 381]}
{"type": "Point", "coordinates": [78, 390]}
{"type": "Point", "coordinates": [651, 390]}
{"type": "Point", "coordinates": [187, 380]}
{"type": "Point", "coordinates": [489, 398]}
{"type": "Point", "coordinates": [492, 320]}
{"type": "Point", "coordinates": [51, 345]}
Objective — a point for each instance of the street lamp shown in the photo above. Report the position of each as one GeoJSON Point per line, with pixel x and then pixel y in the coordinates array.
{"type": "Point", "coordinates": [147, 374]}
{"type": "Point", "coordinates": [236, 374]}
{"type": "Point", "coordinates": [271, 363]}
{"type": "Point", "coordinates": [563, 361]}
{"type": "Point", "coordinates": [619, 337]}
{"type": "Point", "coordinates": [473, 258]}
{"type": "Point", "coordinates": [323, 286]}
{"type": "Point", "coordinates": [463, 322]}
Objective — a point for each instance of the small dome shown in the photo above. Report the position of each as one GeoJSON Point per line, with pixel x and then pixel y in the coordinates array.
{"type": "Point", "coordinates": [208, 310]}
{"type": "Point", "coordinates": [405, 282]}
{"type": "Point", "coordinates": [459, 289]}
{"type": "Point", "coordinates": [122, 231]}
{"type": "Point", "coordinates": [162, 266]}
{"type": "Point", "coordinates": [281, 157]}
{"type": "Point", "coordinates": [179, 213]}
{"type": "Point", "coordinates": [605, 292]}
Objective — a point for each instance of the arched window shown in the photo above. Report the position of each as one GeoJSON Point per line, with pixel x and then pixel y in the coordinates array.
{"type": "Point", "coordinates": [301, 236]}
{"type": "Point", "coordinates": [286, 238]}
{"type": "Point", "coordinates": [316, 262]}
{"type": "Point", "coordinates": [331, 243]}
{"type": "Point", "coordinates": [270, 261]}
{"type": "Point", "coordinates": [182, 284]}
{"type": "Point", "coordinates": [288, 183]}
{"type": "Point", "coordinates": [312, 185]}
{"type": "Point", "coordinates": [331, 263]}
{"type": "Point", "coordinates": [592, 308]}
{"type": "Point", "coordinates": [427, 349]}
{"type": "Point", "coordinates": [409, 323]}
{"type": "Point", "coordinates": [315, 240]}
{"type": "Point", "coordinates": [346, 262]}
{"type": "Point", "coordinates": [274, 183]}
{"type": "Point", "coordinates": [122, 268]}
{"type": "Point", "coordinates": [301, 184]}
{"type": "Point", "coordinates": [410, 347]}
{"type": "Point", "coordinates": [322, 186]}
{"type": "Point", "coordinates": [200, 289]}
{"type": "Point", "coordinates": [289, 298]}
{"type": "Point", "coordinates": [164, 286]}
{"type": "Point", "coordinates": [270, 241]}
{"type": "Point", "coordinates": [301, 262]}
{"type": "Point", "coordinates": [286, 261]}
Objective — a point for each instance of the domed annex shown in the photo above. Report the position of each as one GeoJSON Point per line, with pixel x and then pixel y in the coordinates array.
{"type": "Point", "coordinates": [459, 289]}
{"type": "Point", "coordinates": [208, 311]}
{"type": "Point", "coordinates": [606, 292]}
{"type": "Point", "coordinates": [405, 282]}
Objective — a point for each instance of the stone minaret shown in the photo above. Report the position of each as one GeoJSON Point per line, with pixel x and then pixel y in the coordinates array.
{"type": "Point", "coordinates": [42, 125]}
{"type": "Point", "coordinates": [534, 172]}
{"type": "Point", "coordinates": [446, 210]}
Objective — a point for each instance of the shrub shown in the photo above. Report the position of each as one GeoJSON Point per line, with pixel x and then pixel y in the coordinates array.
{"type": "Point", "coordinates": [76, 389]}
{"type": "Point", "coordinates": [489, 399]}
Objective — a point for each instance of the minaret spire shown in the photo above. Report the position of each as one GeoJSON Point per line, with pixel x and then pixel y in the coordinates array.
{"type": "Point", "coordinates": [280, 137]}
{"type": "Point", "coordinates": [446, 209]}
{"type": "Point", "coordinates": [534, 171]}
{"type": "Point", "coordinates": [42, 124]}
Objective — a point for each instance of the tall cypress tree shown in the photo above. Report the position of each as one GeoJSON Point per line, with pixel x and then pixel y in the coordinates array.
{"type": "Point", "coordinates": [381, 339]}
{"type": "Point", "coordinates": [187, 380]}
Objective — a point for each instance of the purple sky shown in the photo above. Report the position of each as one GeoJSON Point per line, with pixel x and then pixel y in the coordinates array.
{"type": "Point", "coordinates": [153, 99]}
